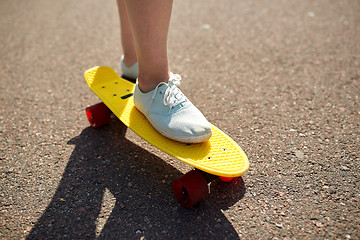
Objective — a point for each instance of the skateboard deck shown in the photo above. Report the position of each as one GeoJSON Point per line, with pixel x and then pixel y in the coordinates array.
{"type": "Point", "coordinates": [220, 155]}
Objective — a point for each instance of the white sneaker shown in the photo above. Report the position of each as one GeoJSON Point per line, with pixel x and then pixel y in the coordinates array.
{"type": "Point", "coordinates": [129, 72]}
{"type": "Point", "coordinates": [171, 113]}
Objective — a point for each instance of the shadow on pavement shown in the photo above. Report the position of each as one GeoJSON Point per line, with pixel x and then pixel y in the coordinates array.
{"type": "Point", "coordinates": [105, 162]}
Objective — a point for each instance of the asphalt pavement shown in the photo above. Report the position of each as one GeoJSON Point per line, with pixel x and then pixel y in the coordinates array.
{"type": "Point", "coordinates": [281, 77]}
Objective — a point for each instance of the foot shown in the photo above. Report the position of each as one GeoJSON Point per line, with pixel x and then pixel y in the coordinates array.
{"type": "Point", "coordinates": [171, 113]}
{"type": "Point", "coordinates": [129, 72]}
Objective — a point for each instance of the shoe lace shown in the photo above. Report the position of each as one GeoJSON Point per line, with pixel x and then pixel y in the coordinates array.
{"type": "Point", "coordinates": [175, 79]}
{"type": "Point", "coordinates": [172, 96]}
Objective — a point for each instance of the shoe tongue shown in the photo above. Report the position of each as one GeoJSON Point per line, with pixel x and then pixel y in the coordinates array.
{"type": "Point", "coordinates": [163, 86]}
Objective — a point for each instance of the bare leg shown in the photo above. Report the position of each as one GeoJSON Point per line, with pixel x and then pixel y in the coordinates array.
{"type": "Point", "coordinates": [126, 35]}
{"type": "Point", "coordinates": [145, 26]}
{"type": "Point", "coordinates": [149, 21]}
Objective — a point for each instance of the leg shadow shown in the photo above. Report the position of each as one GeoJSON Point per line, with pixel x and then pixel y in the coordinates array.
{"type": "Point", "coordinates": [140, 182]}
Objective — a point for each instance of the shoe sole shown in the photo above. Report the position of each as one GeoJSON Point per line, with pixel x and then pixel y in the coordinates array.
{"type": "Point", "coordinates": [186, 139]}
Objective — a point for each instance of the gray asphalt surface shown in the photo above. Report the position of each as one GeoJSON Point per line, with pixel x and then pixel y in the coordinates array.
{"type": "Point", "coordinates": [280, 77]}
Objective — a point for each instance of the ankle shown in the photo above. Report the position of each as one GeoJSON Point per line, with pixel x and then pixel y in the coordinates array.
{"type": "Point", "coordinates": [149, 83]}
{"type": "Point", "coordinates": [129, 61]}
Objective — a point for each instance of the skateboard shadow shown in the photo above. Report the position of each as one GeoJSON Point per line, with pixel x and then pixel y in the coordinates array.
{"type": "Point", "coordinates": [104, 164]}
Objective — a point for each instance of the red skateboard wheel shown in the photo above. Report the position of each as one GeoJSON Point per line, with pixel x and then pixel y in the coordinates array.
{"type": "Point", "coordinates": [190, 188]}
{"type": "Point", "coordinates": [226, 179]}
{"type": "Point", "coordinates": [98, 115]}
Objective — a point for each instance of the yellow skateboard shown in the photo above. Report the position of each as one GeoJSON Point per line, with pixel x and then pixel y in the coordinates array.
{"type": "Point", "coordinates": [220, 156]}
